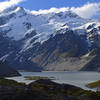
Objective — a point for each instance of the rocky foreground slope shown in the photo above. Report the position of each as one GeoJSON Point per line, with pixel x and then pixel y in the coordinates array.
{"type": "Point", "coordinates": [53, 41]}
{"type": "Point", "coordinates": [43, 90]}
{"type": "Point", "coordinates": [6, 71]}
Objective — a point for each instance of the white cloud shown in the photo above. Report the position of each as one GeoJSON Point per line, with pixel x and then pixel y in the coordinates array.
{"type": "Point", "coordinates": [86, 11]}
{"type": "Point", "coordinates": [8, 3]}
{"type": "Point", "coordinates": [51, 10]}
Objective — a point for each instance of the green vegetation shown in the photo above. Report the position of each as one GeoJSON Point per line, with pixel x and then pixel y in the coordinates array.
{"type": "Point", "coordinates": [94, 84]}
{"type": "Point", "coordinates": [43, 89]}
{"type": "Point", "coordinates": [76, 92]}
{"type": "Point", "coordinates": [93, 52]}
{"type": "Point", "coordinates": [84, 94]}
{"type": "Point", "coordinates": [10, 83]}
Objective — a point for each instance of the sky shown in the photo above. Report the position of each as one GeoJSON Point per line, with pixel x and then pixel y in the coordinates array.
{"type": "Point", "coordinates": [47, 4]}
{"type": "Point", "coordinates": [84, 8]}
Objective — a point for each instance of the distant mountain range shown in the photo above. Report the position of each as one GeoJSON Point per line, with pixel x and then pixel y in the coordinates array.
{"type": "Point", "coordinates": [53, 41]}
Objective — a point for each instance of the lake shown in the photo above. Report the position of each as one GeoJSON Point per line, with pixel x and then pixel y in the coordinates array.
{"type": "Point", "coordinates": [79, 79]}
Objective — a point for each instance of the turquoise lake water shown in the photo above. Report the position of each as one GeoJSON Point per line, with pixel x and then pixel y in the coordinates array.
{"type": "Point", "coordinates": [79, 79]}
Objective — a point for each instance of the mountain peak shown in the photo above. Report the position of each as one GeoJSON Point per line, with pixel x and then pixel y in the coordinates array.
{"type": "Point", "coordinates": [19, 21]}
{"type": "Point", "coordinates": [68, 13]}
{"type": "Point", "coordinates": [13, 9]}
{"type": "Point", "coordinates": [9, 9]}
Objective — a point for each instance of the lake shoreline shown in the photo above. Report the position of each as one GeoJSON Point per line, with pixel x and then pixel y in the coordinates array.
{"type": "Point", "coordinates": [76, 78]}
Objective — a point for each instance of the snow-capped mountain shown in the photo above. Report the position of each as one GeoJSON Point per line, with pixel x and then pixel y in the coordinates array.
{"type": "Point", "coordinates": [23, 33]}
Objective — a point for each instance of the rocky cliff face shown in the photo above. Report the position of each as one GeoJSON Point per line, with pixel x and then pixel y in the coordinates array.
{"type": "Point", "coordinates": [61, 47]}
{"type": "Point", "coordinates": [94, 63]}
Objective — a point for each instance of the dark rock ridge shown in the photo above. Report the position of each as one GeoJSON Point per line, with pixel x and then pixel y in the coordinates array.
{"type": "Point", "coordinates": [6, 71]}
{"type": "Point", "coordinates": [43, 90]}
{"type": "Point", "coordinates": [9, 53]}
{"type": "Point", "coordinates": [94, 64]}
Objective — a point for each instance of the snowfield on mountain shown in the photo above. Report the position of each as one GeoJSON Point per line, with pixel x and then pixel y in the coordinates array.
{"type": "Point", "coordinates": [38, 42]}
